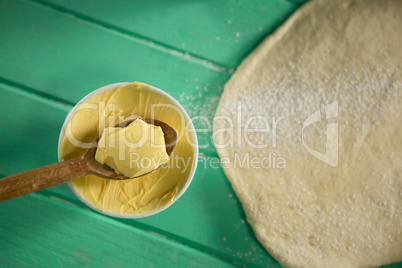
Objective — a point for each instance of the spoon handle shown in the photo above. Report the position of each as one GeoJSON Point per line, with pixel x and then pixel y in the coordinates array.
{"type": "Point", "coordinates": [41, 178]}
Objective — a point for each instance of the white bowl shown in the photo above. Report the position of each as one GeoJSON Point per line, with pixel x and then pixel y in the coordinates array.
{"type": "Point", "coordinates": [192, 133]}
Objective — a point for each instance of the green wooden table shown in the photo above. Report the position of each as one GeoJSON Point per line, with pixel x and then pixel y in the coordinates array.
{"type": "Point", "coordinates": [54, 52]}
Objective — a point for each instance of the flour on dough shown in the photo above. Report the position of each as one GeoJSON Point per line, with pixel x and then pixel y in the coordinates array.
{"type": "Point", "coordinates": [339, 64]}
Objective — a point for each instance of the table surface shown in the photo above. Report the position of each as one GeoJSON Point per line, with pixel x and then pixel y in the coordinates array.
{"type": "Point", "coordinates": [54, 52]}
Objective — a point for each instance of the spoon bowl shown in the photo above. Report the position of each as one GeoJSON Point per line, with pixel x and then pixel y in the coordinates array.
{"type": "Point", "coordinates": [101, 170]}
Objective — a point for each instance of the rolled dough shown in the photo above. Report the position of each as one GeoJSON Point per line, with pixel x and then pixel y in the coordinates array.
{"type": "Point", "coordinates": [310, 126]}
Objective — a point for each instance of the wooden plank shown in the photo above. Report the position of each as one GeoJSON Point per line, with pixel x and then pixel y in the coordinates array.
{"type": "Point", "coordinates": [208, 217]}
{"type": "Point", "coordinates": [54, 54]}
{"type": "Point", "coordinates": [63, 56]}
{"type": "Point", "coordinates": [67, 236]}
{"type": "Point", "coordinates": [215, 219]}
{"type": "Point", "coordinates": [297, 2]}
{"type": "Point", "coordinates": [31, 127]}
{"type": "Point", "coordinates": [223, 32]}
{"type": "Point", "coordinates": [51, 53]}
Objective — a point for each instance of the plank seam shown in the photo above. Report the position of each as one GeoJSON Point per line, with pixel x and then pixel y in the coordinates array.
{"type": "Point", "coordinates": [144, 228]}
{"type": "Point", "coordinates": [134, 36]}
{"type": "Point", "coordinates": [295, 3]}
{"type": "Point", "coordinates": [66, 105]}
{"type": "Point", "coordinates": [37, 93]}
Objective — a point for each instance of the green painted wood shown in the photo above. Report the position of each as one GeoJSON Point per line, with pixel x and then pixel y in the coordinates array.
{"type": "Point", "coordinates": [47, 52]}
{"type": "Point", "coordinates": [214, 219]}
{"type": "Point", "coordinates": [223, 32]}
{"type": "Point", "coordinates": [37, 231]}
{"type": "Point", "coordinates": [54, 53]}
{"type": "Point", "coordinates": [66, 57]}
{"type": "Point", "coordinates": [297, 2]}
{"type": "Point", "coordinates": [393, 265]}
{"type": "Point", "coordinates": [208, 217]}
{"type": "Point", "coordinates": [30, 130]}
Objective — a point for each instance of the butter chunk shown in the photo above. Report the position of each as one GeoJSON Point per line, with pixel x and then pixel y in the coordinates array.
{"type": "Point", "coordinates": [134, 150]}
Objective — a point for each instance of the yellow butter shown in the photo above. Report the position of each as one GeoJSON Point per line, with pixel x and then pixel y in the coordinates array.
{"type": "Point", "coordinates": [141, 195]}
{"type": "Point", "coordinates": [134, 150]}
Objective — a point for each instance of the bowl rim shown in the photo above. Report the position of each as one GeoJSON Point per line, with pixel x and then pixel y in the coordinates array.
{"type": "Point", "coordinates": [192, 133]}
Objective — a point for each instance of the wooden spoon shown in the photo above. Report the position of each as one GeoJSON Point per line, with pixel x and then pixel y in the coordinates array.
{"type": "Point", "coordinates": [44, 177]}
